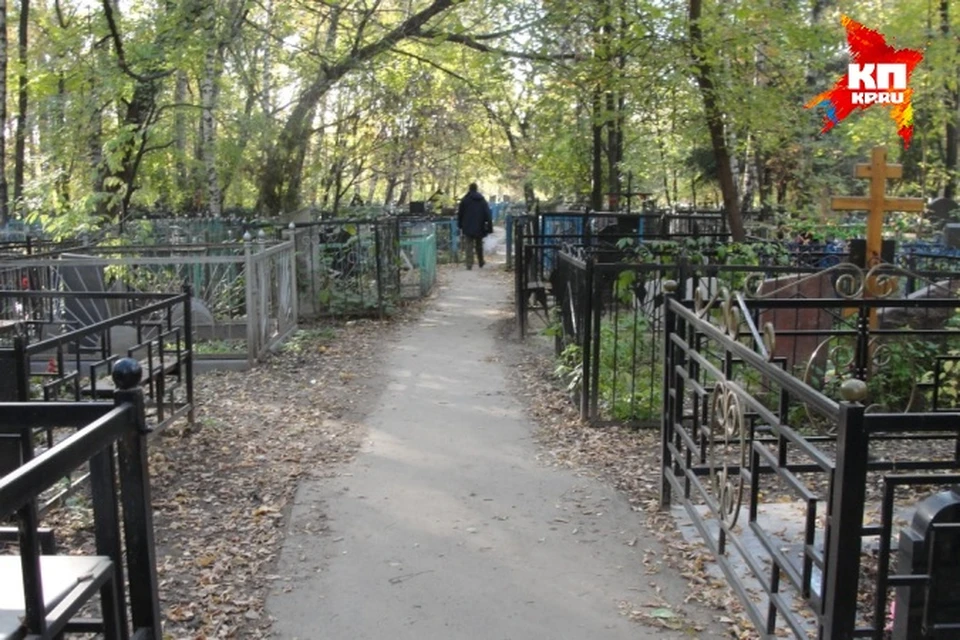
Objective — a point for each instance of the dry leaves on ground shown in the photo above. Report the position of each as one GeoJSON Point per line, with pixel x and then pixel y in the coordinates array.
{"type": "Point", "coordinates": [222, 489]}
{"type": "Point", "coordinates": [628, 459]}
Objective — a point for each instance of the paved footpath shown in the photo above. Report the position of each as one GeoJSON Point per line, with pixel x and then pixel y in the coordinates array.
{"type": "Point", "coordinates": [445, 526]}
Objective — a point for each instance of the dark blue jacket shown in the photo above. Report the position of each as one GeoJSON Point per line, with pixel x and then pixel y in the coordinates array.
{"type": "Point", "coordinates": [473, 216]}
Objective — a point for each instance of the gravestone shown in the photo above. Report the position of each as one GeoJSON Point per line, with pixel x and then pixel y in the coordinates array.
{"type": "Point", "coordinates": [919, 317]}
{"type": "Point", "coordinates": [930, 545]}
{"type": "Point", "coordinates": [797, 350]}
{"type": "Point", "coordinates": [951, 235]}
{"type": "Point", "coordinates": [83, 312]}
{"type": "Point", "coordinates": [942, 211]}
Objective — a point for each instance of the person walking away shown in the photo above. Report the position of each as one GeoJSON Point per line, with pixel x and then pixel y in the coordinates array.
{"type": "Point", "coordinates": [475, 221]}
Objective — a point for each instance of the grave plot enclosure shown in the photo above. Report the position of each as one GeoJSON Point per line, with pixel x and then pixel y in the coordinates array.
{"type": "Point", "coordinates": [56, 347]}
{"type": "Point", "coordinates": [113, 591]}
{"type": "Point", "coordinates": [533, 242]}
{"type": "Point", "coordinates": [352, 268]}
{"type": "Point", "coordinates": [244, 293]}
{"type": "Point", "coordinates": [806, 491]}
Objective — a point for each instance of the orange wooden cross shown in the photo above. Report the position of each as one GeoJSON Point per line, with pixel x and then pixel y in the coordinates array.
{"type": "Point", "coordinates": [876, 203]}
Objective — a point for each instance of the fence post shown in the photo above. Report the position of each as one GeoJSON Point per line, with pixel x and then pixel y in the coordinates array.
{"type": "Point", "coordinates": [519, 279]}
{"type": "Point", "coordinates": [841, 574]}
{"type": "Point", "coordinates": [188, 348]}
{"type": "Point", "coordinates": [22, 367]}
{"type": "Point", "coordinates": [106, 521]}
{"type": "Point", "coordinates": [508, 226]}
{"type": "Point", "coordinates": [377, 242]}
{"type": "Point", "coordinates": [137, 504]}
{"type": "Point", "coordinates": [669, 399]}
{"type": "Point", "coordinates": [586, 340]}
{"type": "Point", "coordinates": [251, 298]}
{"type": "Point", "coordinates": [294, 293]}
{"type": "Point", "coordinates": [596, 306]}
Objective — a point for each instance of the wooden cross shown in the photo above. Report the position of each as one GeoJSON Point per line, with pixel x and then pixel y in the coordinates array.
{"type": "Point", "coordinates": [876, 203]}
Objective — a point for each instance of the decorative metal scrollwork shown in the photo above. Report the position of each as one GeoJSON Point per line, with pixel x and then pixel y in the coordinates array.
{"type": "Point", "coordinates": [703, 301]}
{"type": "Point", "coordinates": [850, 283]}
{"type": "Point", "coordinates": [753, 285]}
{"type": "Point", "coordinates": [730, 314]}
{"type": "Point", "coordinates": [882, 281]}
{"type": "Point", "coordinates": [727, 450]}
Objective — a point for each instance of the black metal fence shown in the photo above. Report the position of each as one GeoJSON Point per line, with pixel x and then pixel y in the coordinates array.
{"type": "Point", "coordinates": [53, 347]}
{"type": "Point", "coordinates": [800, 495]}
{"type": "Point", "coordinates": [52, 588]}
{"type": "Point", "coordinates": [535, 241]}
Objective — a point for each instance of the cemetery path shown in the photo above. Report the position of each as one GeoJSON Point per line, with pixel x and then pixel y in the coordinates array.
{"type": "Point", "coordinates": [446, 526]}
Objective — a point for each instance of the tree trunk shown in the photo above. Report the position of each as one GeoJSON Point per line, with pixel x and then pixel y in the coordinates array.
{"type": "Point", "coordinates": [372, 189]}
{"type": "Point", "coordinates": [529, 195]}
{"type": "Point", "coordinates": [703, 72]}
{"type": "Point", "coordinates": [596, 195]}
{"type": "Point", "coordinates": [181, 182]}
{"type": "Point", "coordinates": [614, 150]}
{"type": "Point", "coordinates": [392, 181]}
{"type": "Point", "coordinates": [20, 142]}
{"type": "Point", "coordinates": [281, 175]}
{"type": "Point", "coordinates": [266, 82]}
{"type": "Point", "coordinates": [208, 122]}
{"type": "Point", "coordinates": [62, 182]}
{"type": "Point", "coordinates": [4, 189]}
{"type": "Point", "coordinates": [951, 103]}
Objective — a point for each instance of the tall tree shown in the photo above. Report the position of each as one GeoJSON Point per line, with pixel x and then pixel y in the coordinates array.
{"type": "Point", "coordinates": [141, 110]}
{"type": "Point", "coordinates": [20, 141]}
{"type": "Point", "coordinates": [704, 73]}
{"type": "Point", "coordinates": [4, 192]}
{"type": "Point", "coordinates": [952, 101]}
{"type": "Point", "coordinates": [281, 176]}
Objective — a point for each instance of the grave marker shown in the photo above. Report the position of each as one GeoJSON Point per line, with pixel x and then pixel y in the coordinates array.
{"type": "Point", "coordinates": [931, 545]}
{"type": "Point", "coordinates": [797, 350]}
{"type": "Point", "coordinates": [82, 312]}
{"type": "Point", "coordinates": [876, 203]}
{"type": "Point", "coordinates": [942, 211]}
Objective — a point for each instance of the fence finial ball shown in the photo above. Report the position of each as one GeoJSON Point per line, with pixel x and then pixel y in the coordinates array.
{"type": "Point", "coordinates": [127, 373]}
{"type": "Point", "coordinates": [853, 390]}
{"type": "Point", "coordinates": [670, 286]}
{"type": "Point", "coordinates": [247, 237]}
{"type": "Point", "coordinates": [261, 234]}
{"type": "Point", "coordinates": [291, 226]}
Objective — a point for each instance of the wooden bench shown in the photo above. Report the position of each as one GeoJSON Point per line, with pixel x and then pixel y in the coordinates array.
{"type": "Point", "coordinates": [69, 582]}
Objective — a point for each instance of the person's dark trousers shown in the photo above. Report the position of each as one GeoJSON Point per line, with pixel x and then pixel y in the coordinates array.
{"type": "Point", "coordinates": [471, 246]}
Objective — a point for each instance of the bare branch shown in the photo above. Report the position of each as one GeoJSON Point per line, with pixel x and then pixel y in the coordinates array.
{"type": "Point", "coordinates": [473, 43]}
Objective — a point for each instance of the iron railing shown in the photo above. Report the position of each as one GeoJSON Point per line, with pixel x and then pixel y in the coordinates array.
{"type": "Point", "coordinates": [793, 491]}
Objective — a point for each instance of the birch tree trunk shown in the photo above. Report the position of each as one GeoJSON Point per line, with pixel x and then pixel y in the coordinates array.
{"type": "Point", "coordinates": [180, 138]}
{"type": "Point", "coordinates": [208, 133]}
